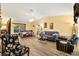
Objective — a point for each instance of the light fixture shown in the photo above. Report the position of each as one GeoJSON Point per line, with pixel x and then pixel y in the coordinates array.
{"type": "Point", "coordinates": [31, 20]}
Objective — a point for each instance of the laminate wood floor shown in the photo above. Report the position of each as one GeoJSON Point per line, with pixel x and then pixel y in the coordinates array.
{"type": "Point", "coordinates": [41, 48]}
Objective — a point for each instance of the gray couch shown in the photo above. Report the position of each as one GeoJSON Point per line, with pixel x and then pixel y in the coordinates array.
{"type": "Point", "coordinates": [49, 35]}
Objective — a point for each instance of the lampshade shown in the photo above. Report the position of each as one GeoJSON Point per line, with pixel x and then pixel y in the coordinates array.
{"type": "Point", "coordinates": [4, 28]}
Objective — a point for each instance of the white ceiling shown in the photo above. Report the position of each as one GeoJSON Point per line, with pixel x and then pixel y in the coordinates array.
{"type": "Point", "coordinates": [27, 11]}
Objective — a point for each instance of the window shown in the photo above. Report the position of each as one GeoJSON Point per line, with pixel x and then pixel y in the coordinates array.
{"type": "Point", "coordinates": [19, 27]}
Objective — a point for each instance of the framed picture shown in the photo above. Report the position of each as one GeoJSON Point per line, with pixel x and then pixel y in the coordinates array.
{"type": "Point", "coordinates": [51, 25]}
{"type": "Point", "coordinates": [45, 25]}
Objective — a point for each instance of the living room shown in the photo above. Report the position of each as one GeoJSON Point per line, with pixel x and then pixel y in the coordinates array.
{"type": "Point", "coordinates": [30, 22]}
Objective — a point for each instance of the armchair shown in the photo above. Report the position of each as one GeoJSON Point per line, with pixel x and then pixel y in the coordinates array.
{"type": "Point", "coordinates": [67, 46]}
{"type": "Point", "coordinates": [12, 47]}
{"type": "Point", "coordinates": [61, 46]}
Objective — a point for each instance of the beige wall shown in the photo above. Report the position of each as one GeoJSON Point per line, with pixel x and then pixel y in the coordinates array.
{"type": "Point", "coordinates": [62, 24]}
{"type": "Point", "coordinates": [28, 26]}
